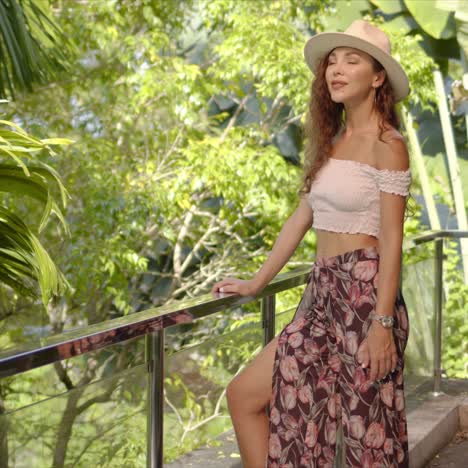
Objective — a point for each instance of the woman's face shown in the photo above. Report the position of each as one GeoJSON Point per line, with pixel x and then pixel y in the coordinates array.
{"type": "Point", "coordinates": [350, 74]}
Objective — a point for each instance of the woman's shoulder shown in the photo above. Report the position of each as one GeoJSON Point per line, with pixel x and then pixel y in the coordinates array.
{"type": "Point", "coordinates": [391, 150]}
{"type": "Point", "coordinates": [389, 135]}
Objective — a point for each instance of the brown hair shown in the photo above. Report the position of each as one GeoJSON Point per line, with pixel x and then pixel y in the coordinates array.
{"type": "Point", "coordinates": [325, 118]}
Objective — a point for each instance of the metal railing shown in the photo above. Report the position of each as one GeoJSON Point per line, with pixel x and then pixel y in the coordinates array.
{"type": "Point", "coordinates": [151, 324]}
{"type": "Point", "coordinates": [438, 237]}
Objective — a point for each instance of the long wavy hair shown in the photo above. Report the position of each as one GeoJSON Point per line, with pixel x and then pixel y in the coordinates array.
{"type": "Point", "coordinates": [325, 118]}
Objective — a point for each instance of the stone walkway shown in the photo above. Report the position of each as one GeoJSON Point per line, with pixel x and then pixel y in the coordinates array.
{"type": "Point", "coordinates": [454, 455]}
{"type": "Point", "coordinates": [225, 456]}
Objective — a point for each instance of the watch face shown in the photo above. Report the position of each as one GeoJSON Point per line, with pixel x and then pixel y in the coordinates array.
{"type": "Point", "coordinates": [387, 321]}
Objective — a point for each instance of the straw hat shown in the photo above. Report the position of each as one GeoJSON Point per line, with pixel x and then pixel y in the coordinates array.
{"type": "Point", "coordinates": [366, 37]}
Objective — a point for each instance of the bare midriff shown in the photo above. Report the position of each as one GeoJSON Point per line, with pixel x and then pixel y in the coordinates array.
{"type": "Point", "coordinates": [331, 243]}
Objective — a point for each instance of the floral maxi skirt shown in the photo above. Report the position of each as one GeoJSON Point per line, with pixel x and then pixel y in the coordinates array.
{"type": "Point", "coordinates": [319, 383]}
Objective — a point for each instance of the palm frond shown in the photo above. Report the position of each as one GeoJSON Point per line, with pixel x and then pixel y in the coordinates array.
{"type": "Point", "coordinates": [32, 46]}
{"type": "Point", "coordinates": [36, 185]}
{"type": "Point", "coordinates": [24, 261]}
{"type": "Point", "coordinates": [18, 144]}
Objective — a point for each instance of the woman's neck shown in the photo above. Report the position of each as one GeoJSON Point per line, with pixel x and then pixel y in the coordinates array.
{"type": "Point", "coordinates": [361, 119]}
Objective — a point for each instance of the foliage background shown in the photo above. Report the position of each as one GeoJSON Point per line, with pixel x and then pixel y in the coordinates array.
{"type": "Point", "coordinates": [187, 120]}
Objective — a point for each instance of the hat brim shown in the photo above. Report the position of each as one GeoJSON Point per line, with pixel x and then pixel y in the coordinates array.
{"type": "Point", "coordinates": [319, 45]}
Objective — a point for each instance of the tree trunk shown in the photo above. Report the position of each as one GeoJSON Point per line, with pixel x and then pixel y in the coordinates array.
{"type": "Point", "coordinates": [65, 428]}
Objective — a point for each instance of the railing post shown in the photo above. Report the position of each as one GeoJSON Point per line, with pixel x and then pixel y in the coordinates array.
{"type": "Point", "coordinates": [268, 318]}
{"type": "Point", "coordinates": [438, 278]}
{"type": "Point", "coordinates": [155, 398]}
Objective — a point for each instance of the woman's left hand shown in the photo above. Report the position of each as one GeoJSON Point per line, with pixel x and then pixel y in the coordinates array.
{"type": "Point", "coordinates": [380, 353]}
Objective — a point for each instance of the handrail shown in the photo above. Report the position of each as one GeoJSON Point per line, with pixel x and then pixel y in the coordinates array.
{"type": "Point", "coordinates": [151, 324]}
{"type": "Point", "coordinates": [107, 333]}
{"type": "Point", "coordinates": [429, 235]}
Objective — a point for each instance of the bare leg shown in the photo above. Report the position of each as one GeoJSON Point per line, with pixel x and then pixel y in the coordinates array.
{"type": "Point", "coordinates": [248, 394]}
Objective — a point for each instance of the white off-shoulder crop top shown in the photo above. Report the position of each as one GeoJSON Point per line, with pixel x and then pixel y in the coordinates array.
{"type": "Point", "coordinates": [345, 195]}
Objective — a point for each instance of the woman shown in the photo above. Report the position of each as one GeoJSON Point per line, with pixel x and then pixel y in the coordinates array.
{"type": "Point", "coordinates": [340, 360]}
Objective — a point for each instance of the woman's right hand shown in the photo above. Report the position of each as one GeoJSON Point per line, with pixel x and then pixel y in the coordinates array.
{"type": "Point", "coordinates": [237, 286]}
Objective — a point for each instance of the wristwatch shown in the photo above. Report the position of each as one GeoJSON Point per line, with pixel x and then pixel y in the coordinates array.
{"type": "Point", "coordinates": [385, 320]}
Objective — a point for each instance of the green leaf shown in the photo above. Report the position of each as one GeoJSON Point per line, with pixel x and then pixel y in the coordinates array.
{"type": "Point", "coordinates": [24, 258]}
{"type": "Point", "coordinates": [437, 23]}
{"type": "Point", "coordinates": [32, 47]}
{"type": "Point", "coordinates": [37, 186]}
{"type": "Point", "coordinates": [57, 141]}
{"type": "Point", "coordinates": [389, 7]}
{"type": "Point", "coordinates": [402, 24]}
{"type": "Point", "coordinates": [347, 12]}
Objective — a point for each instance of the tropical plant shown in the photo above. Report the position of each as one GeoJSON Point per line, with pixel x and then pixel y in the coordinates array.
{"type": "Point", "coordinates": [23, 259]}
{"type": "Point", "coordinates": [32, 46]}
{"type": "Point", "coordinates": [32, 49]}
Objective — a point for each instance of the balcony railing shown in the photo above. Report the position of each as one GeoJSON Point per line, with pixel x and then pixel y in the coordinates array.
{"type": "Point", "coordinates": [151, 325]}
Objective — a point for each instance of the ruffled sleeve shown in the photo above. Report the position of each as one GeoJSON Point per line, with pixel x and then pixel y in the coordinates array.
{"type": "Point", "coordinates": [394, 181]}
